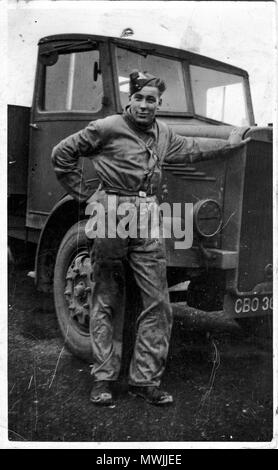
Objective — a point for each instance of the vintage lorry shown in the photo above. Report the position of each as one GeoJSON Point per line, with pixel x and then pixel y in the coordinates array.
{"type": "Point", "coordinates": [80, 78]}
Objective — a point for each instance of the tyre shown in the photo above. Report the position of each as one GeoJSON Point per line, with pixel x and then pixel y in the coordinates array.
{"type": "Point", "coordinates": [72, 291]}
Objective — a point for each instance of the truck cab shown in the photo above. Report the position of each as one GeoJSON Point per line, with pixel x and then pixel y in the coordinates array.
{"type": "Point", "coordinates": [81, 78]}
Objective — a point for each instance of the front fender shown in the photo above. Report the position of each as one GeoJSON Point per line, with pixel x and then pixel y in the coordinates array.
{"type": "Point", "coordinates": [64, 214]}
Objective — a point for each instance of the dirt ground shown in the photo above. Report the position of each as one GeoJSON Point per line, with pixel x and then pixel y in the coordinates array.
{"type": "Point", "coordinates": [221, 379]}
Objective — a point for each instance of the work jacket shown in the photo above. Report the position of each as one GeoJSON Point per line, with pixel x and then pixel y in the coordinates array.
{"type": "Point", "coordinates": [125, 156]}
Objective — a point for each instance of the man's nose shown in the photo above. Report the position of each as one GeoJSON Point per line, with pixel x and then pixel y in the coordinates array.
{"type": "Point", "coordinates": [143, 104]}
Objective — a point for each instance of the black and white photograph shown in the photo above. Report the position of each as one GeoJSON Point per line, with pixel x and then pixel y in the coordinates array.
{"type": "Point", "coordinates": [138, 250]}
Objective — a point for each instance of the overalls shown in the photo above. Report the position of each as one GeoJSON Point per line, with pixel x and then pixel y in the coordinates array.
{"type": "Point", "coordinates": [146, 258]}
{"type": "Point", "coordinates": [120, 158]}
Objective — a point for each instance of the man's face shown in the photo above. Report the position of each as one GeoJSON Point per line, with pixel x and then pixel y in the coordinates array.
{"type": "Point", "coordinates": [144, 104]}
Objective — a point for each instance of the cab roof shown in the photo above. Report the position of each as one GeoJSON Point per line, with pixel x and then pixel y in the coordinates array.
{"type": "Point", "coordinates": [148, 48]}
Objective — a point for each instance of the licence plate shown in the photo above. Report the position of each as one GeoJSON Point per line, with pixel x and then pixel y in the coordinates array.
{"type": "Point", "coordinates": [253, 304]}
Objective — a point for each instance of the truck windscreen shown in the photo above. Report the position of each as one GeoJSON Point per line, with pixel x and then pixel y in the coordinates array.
{"type": "Point", "coordinates": [218, 95]}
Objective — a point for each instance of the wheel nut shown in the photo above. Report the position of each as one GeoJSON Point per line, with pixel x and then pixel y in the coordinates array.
{"type": "Point", "coordinates": [79, 290]}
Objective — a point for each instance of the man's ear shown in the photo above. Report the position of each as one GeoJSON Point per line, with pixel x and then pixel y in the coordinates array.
{"type": "Point", "coordinates": [160, 102]}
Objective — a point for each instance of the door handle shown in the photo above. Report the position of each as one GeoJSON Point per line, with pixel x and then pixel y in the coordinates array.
{"type": "Point", "coordinates": [34, 126]}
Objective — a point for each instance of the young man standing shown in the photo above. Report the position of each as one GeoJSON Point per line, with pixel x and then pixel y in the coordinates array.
{"type": "Point", "coordinates": [127, 152]}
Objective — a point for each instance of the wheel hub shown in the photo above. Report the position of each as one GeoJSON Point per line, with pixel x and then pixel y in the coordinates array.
{"type": "Point", "coordinates": [79, 288]}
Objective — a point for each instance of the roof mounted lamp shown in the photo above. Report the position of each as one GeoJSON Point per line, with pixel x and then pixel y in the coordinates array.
{"type": "Point", "coordinates": [127, 32]}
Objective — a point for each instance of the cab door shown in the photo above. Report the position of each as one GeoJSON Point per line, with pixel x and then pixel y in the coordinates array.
{"type": "Point", "coordinates": [73, 87]}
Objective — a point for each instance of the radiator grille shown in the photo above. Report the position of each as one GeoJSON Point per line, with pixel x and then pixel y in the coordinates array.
{"type": "Point", "coordinates": [256, 228]}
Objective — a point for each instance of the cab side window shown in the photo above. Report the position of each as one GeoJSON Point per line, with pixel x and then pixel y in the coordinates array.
{"type": "Point", "coordinates": [70, 84]}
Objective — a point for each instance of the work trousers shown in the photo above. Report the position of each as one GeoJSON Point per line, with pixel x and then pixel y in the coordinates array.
{"type": "Point", "coordinates": [146, 257]}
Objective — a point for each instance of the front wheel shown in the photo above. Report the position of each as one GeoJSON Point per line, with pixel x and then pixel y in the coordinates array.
{"type": "Point", "coordinates": [72, 291]}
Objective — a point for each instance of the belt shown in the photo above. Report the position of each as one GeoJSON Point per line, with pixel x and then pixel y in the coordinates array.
{"type": "Point", "coordinates": [126, 192]}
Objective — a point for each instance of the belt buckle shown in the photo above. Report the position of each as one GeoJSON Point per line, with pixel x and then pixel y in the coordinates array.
{"type": "Point", "coordinates": [142, 194]}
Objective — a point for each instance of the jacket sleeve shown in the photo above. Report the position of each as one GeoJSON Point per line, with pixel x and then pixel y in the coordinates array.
{"type": "Point", "coordinates": [189, 150]}
{"type": "Point", "coordinates": [65, 158]}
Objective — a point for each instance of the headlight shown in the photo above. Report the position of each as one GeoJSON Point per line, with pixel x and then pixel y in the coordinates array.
{"type": "Point", "coordinates": [207, 217]}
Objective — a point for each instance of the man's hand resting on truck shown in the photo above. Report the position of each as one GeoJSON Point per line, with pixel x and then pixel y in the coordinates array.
{"type": "Point", "coordinates": [235, 136]}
